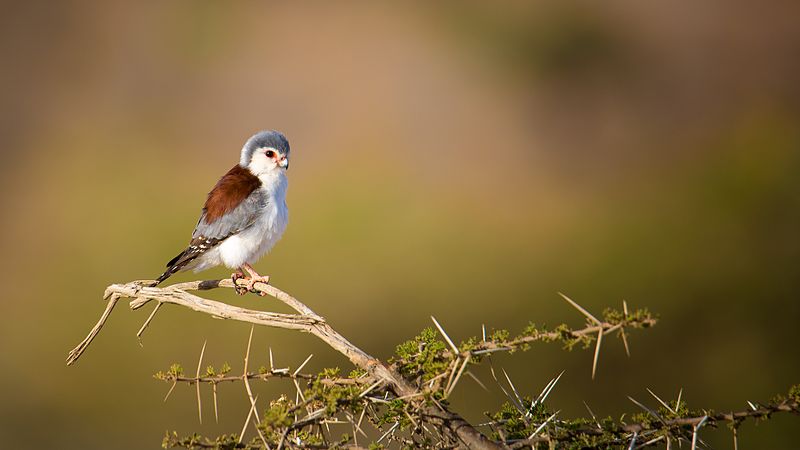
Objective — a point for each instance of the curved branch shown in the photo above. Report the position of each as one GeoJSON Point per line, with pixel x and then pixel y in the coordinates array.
{"type": "Point", "coordinates": [141, 292]}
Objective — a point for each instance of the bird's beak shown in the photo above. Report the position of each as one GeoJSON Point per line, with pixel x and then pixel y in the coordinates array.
{"type": "Point", "coordinates": [283, 162]}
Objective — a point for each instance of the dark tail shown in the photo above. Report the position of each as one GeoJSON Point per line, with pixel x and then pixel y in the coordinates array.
{"type": "Point", "coordinates": [173, 266]}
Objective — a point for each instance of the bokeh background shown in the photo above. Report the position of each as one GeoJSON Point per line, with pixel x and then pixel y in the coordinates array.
{"type": "Point", "coordinates": [456, 159]}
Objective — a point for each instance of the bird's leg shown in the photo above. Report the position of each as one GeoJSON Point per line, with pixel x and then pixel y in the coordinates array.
{"type": "Point", "coordinates": [237, 276]}
{"type": "Point", "coordinates": [254, 278]}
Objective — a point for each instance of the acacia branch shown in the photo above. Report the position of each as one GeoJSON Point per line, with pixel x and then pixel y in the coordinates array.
{"type": "Point", "coordinates": [141, 293]}
{"type": "Point", "coordinates": [678, 428]}
{"type": "Point", "coordinates": [713, 419]}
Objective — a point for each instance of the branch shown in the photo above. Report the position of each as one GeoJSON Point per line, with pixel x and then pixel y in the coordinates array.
{"type": "Point", "coordinates": [713, 419]}
{"type": "Point", "coordinates": [141, 293]}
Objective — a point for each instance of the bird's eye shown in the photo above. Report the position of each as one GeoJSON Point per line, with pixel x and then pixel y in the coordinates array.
{"type": "Point", "coordinates": [270, 153]}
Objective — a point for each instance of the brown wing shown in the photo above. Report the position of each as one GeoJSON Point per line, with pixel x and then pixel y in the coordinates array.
{"type": "Point", "coordinates": [225, 212]}
{"type": "Point", "coordinates": [230, 191]}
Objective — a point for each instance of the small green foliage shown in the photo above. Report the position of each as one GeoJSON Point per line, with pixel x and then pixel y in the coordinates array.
{"type": "Point", "coordinates": [395, 412]}
{"type": "Point", "coordinates": [330, 395]}
{"type": "Point", "coordinates": [306, 437]}
{"type": "Point", "coordinates": [221, 372]}
{"type": "Point", "coordinates": [530, 329]}
{"type": "Point", "coordinates": [422, 357]}
{"type": "Point", "coordinates": [329, 372]}
{"type": "Point", "coordinates": [357, 373]}
{"type": "Point", "coordinates": [174, 372]}
{"type": "Point", "coordinates": [468, 345]}
{"type": "Point", "coordinates": [195, 441]}
{"type": "Point", "coordinates": [276, 417]}
{"type": "Point", "coordinates": [639, 318]}
{"type": "Point", "coordinates": [794, 393]}
{"type": "Point", "coordinates": [500, 335]}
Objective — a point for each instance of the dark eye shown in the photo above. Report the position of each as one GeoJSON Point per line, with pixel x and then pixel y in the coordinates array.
{"type": "Point", "coordinates": [270, 153]}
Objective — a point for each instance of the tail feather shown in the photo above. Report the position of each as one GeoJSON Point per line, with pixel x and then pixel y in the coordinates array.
{"type": "Point", "coordinates": [197, 247]}
{"type": "Point", "coordinates": [174, 265]}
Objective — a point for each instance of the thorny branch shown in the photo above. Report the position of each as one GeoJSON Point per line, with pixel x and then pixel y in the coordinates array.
{"type": "Point", "coordinates": [306, 320]}
{"type": "Point", "coordinates": [411, 393]}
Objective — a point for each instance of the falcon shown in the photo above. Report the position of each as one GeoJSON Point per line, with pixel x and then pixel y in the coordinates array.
{"type": "Point", "coordinates": [244, 215]}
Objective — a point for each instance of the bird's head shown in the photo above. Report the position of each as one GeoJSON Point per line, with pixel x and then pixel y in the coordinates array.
{"type": "Point", "coordinates": [266, 153]}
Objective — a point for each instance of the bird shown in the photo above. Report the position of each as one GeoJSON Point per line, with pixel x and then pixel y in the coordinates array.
{"type": "Point", "coordinates": [244, 215]}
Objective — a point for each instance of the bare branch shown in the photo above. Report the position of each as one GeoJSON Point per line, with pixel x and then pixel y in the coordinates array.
{"type": "Point", "coordinates": [141, 292]}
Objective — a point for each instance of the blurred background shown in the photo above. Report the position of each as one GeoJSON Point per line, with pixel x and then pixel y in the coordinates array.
{"type": "Point", "coordinates": [452, 159]}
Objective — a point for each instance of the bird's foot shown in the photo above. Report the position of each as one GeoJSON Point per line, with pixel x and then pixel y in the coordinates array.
{"type": "Point", "coordinates": [255, 278]}
{"type": "Point", "coordinates": [235, 276]}
{"type": "Point", "coordinates": [251, 283]}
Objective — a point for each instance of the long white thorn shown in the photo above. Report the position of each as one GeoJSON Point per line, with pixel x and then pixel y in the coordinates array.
{"type": "Point", "coordinates": [597, 352]}
{"type": "Point", "coordinates": [299, 368]}
{"type": "Point", "coordinates": [540, 427]}
{"type": "Point", "coordinates": [197, 375]}
{"type": "Point", "coordinates": [580, 308]}
{"type": "Point", "coordinates": [449, 341]}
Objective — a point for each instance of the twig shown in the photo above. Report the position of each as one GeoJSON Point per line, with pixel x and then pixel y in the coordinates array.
{"type": "Point", "coordinates": [80, 348]}
{"type": "Point", "coordinates": [147, 322]}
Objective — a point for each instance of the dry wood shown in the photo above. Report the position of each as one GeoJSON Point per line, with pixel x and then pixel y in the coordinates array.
{"type": "Point", "coordinates": [141, 293]}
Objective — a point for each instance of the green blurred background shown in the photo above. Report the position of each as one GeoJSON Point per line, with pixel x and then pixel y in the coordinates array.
{"type": "Point", "coordinates": [449, 159]}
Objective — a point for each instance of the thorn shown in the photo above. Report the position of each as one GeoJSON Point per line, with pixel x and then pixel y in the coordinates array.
{"type": "Point", "coordinates": [483, 329]}
{"type": "Point", "coordinates": [458, 376]}
{"type": "Point", "coordinates": [271, 365]}
{"type": "Point", "coordinates": [633, 440]}
{"type": "Point", "coordinates": [622, 330]}
{"type": "Point", "coordinates": [247, 420]}
{"type": "Point", "coordinates": [625, 342]}
{"type": "Point", "coordinates": [513, 400]}
{"type": "Point", "coordinates": [387, 433]}
{"type": "Point", "coordinates": [539, 428]}
{"type": "Point", "coordinates": [547, 389]}
{"type": "Point", "coordinates": [752, 406]}
{"type": "Point", "coordinates": [299, 391]}
{"type": "Point", "coordinates": [369, 389]}
{"type": "Point", "coordinates": [519, 399]}
{"type": "Point", "coordinates": [249, 391]}
{"type": "Point", "coordinates": [360, 419]}
{"type": "Point", "coordinates": [216, 412]}
{"type": "Point", "coordinates": [580, 308]}
{"type": "Point", "coordinates": [650, 411]}
{"type": "Point", "coordinates": [302, 365]}
{"type": "Point", "coordinates": [449, 341]}
{"type": "Point", "coordinates": [597, 352]}
{"type": "Point", "coordinates": [197, 383]}
{"type": "Point", "coordinates": [651, 442]}
{"type": "Point", "coordinates": [490, 350]}
{"type": "Point", "coordinates": [472, 375]}
{"type": "Point", "coordinates": [452, 371]}
{"type": "Point", "coordinates": [694, 432]}
{"type": "Point", "coordinates": [661, 401]}
{"type": "Point", "coordinates": [170, 390]}
{"type": "Point", "coordinates": [593, 416]}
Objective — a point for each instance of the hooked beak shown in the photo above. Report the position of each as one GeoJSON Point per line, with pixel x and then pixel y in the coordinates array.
{"type": "Point", "coordinates": [283, 162]}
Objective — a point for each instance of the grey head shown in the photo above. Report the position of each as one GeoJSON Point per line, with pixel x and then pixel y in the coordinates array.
{"type": "Point", "coordinates": [268, 139]}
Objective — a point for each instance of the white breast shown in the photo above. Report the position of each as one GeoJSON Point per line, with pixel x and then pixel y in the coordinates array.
{"type": "Point", "coordinates": [249, 245]}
